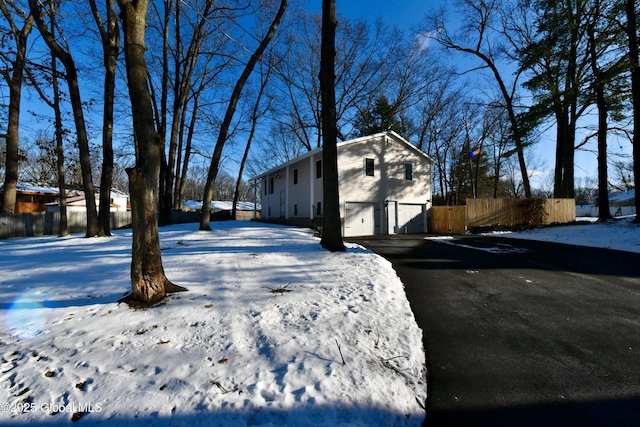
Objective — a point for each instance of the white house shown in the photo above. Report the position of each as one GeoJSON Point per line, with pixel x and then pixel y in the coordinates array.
{"type": "Point", "coordinates": [384, 186]}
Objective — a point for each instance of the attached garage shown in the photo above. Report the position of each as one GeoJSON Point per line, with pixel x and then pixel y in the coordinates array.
{"type": "Point", "coordinates": [411, 218]}
{"type": "Point", "coordinates": [361, 219]}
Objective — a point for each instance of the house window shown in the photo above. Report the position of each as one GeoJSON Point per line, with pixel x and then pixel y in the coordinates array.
{"type": "Point", "coordinates": [319, 209]}
{"type": "Point", "coordinates": [408, 171]}
{"type": "Point", "coordinates": [319, 169]}
{"type": "Point", "coordinates": [295, 176]}
{"type": "Point", "coordinates": [295, 210]}
{"type": "Point", "coordinates": [368, 167]}
{"type": "Point", "coordinates": [270, 185]}
{"type": "Point", "coordinates": [266, 187]}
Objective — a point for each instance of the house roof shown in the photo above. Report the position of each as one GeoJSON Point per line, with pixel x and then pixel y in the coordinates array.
{"type": "Point", "coordinates": [34, 188]}
{"type": "Point", "coordinates": [623, 197]}
{"type": "Point", "coordinates": [389, 133]}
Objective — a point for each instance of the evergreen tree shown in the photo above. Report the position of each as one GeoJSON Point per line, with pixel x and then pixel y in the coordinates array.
{"type": "Point", "coordinates": [558, 60]}
{"type": "Point", "coordinates": [382, 117]}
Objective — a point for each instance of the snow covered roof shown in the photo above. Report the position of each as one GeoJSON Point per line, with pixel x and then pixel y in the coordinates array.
{"type": "Point", "coordinates": [30, 187]}
{"type": "Point", "coordinates": [627, 196]}
{"type": "Point", "coordinates": [35, 188]}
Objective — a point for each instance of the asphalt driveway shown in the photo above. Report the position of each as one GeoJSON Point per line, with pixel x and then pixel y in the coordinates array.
{"type": "Point", "coordinates": [523, 333]}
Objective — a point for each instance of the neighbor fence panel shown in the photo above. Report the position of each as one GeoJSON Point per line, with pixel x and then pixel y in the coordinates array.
{"type": "Point", "coordinates": [448, 219]}
{"type": "Point", "coordinates": [47, 223]}
{"type": "Point", "coordinates": [559, 211]}
{"type": "Point", "coordinates": [501, 212]}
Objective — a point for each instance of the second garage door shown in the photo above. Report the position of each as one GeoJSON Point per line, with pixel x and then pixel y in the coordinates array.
{"type": "Point", "coordinates": [411, 218]}
{"type": "Point", "coordinates": [360, 219]}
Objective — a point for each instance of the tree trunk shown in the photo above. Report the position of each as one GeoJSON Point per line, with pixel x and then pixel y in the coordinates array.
{"type": "Point", "coordinates": [231, 108]}
{"type": "Point", "coordinates": [256, 114]}
{"type": "Point", "coordinates": [63, 229]}
{"type": "Point", "coordinates": [331, 226]}
{"type": "Point", "coordinates": [78, 117]}
{"type": "Point", "coordinates": [148, 281]}
{"type": "Point", "coordinates": [110, 45]}
{"type": "Point", "coordinates": [179, 194]}
{"type": "Point", "coordinates": [632, 32]}
{"type": "Point", "coordinates": [603, 182]}
{"type": "Point", "coordinates": [13, 125]}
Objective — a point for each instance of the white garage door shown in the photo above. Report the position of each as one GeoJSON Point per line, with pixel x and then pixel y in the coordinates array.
{"type": "Point", "coordinates": [411, 218]}
{"type": "Point", "coordinates": [359, 219]}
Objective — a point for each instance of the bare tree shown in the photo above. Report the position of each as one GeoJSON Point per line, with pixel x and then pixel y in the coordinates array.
{"type": "Point", "coordinates": [183, 75]}
{"type": "Point", "coordinates": [623, 178]}
{"type": "Point", "coordinates": [149, 283]}
{"type": "Point", "coordinates": [256, 114]}
{"type": "Point", "coordinates": [368, 61]}
{"type": "Point", "coordinates": [62, 184]}
{"type": "Point", "coordinates": [76, 101]}
{"type": "Point", "coordinates": [477, 39]}
{"type": "Point", "coordinates": [14, 79]}
{"type": "Point", "coordinates": [110, 37]}
{"type": "Point", "coordinates": [230, 112]}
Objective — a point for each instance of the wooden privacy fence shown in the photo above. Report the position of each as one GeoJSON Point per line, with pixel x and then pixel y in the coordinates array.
{"type": "Point", "coordinates": [47, 223]}
{"type": "Point", "coordinates": [501, 212]}
{"type": "Point", "coordinates": [449, 219]}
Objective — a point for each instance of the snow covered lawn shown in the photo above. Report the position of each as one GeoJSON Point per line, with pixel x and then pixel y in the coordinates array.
{"type": "Point", "coordinates": [273, 331]}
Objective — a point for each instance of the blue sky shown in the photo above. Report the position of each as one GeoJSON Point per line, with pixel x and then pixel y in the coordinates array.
{"type": "Point", "coordinates": [406, 13]}
{"type": "Point", "coordinates": [410, 14]}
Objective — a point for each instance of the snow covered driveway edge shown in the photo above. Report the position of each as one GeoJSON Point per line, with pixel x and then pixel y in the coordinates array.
{"type": "Point", "coordinates": [273, 331]}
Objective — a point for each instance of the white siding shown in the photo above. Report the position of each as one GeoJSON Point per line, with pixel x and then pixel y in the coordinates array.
{"type": "Point", "coordinates": [387, 189]}
{"type": "Point", "coordinates": [388, 182]}
{"type": "Point", "coordinates": [299, 193]}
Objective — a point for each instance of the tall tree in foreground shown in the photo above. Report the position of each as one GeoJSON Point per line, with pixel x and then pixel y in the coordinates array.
{"type": "Point", "coordinates": [632, 33]}
{"type": "Point", "coordinates": [71, 76]}
{"type": "Point", "coordinates": [601, 79]}
{"type": "Point", "coordinates": [558, 60]}
{"type": "Point", "coordinates": [223, 135]}
{"type": "Point", "coordinates": [63, 229]}
{"type": "Point", "coordinates": [331, 227]}
{"type": "Point", "coordinates": [110, 37]}
{"type": "Point", "coordinates": [14, 80]}
{"type": "Point", "coordinates": [148, 281]}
